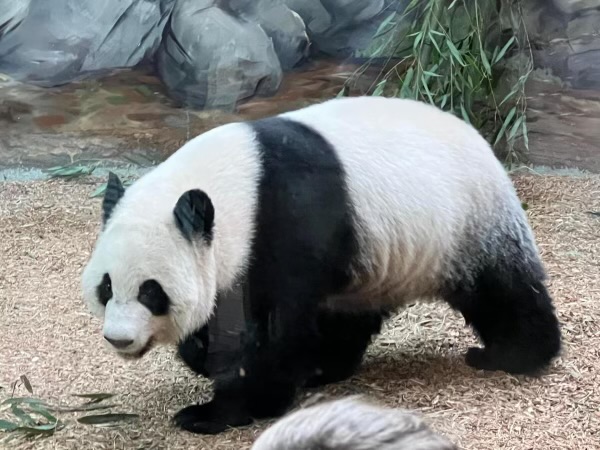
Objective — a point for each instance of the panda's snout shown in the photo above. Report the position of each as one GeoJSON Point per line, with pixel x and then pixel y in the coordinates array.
{"type": "Point", "coordinates": [119, 344]}
{"type": "Point", "coordinates": [127, 326]}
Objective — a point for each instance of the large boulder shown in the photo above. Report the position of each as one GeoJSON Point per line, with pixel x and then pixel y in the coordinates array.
{"type": "Point", "coordinates": [60, 40]}
{"type": "Point", "coordinates": [212, 58]}
{"type": "Point", "coordinates": [285, 27]}
{"type": "Point", "coordinates": [338, 27]}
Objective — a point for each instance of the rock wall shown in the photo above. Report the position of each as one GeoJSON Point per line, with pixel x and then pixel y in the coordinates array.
{"type": "Point", "coordinates": [49, 43]}
{"type": "Point", "coordinates": [209, 53]}
{"type": "Point", "coordinates": [564, 92]}
{"type": "Point", "coordinates": [566, 38]}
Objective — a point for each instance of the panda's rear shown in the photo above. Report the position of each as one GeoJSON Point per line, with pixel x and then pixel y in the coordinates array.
{"type": "Point", "coordinates": [373, 203]}
{"type": "Point", "coordinates": [430, 202]}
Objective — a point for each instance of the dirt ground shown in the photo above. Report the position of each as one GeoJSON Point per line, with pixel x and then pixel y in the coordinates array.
{"type": "Point", "coordinates": [46, 233]}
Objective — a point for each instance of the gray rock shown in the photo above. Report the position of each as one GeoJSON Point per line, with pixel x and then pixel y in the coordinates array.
{"type": "Point", "coordinates": [284, 26]}
{"type": "Point", "coordinates": [287, 30]}
{"type": "Point", "coordinates": [574, 6]}
{"type": "Point", "coordinates": [571, 52]}
{"type": "Point", "coordinates": [12, 12]}
{"type": "Point", "coordinates": [317, 19]}
{"type": "Point", "coordinates": [340, 26]}
{"type": "Point", "coordinates": [583, 62]}
{"type": "Point", "coordinates": [209, 58]}
{"type": "Point", "coordinates": [59, 41]}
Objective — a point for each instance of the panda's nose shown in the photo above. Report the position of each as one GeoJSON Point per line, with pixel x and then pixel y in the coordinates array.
{"type": "Point", "coordinates": [119, 343]}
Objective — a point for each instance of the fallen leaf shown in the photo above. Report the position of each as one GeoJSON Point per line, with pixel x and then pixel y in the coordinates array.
{"type": "Point", "coordinates": [107, 420]}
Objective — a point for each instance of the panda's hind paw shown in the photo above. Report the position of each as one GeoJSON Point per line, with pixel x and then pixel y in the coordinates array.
{"type": "Point", "coordinates": [210, 418]}
{"type": "Point", "coordinates": [506, 359]}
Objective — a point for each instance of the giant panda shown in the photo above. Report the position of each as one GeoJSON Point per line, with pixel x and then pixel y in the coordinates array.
{"type": "Point", "coordinates": [332, 217]}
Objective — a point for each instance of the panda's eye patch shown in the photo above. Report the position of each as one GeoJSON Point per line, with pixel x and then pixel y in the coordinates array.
{"type": "Point", "coordinates": [104, 289]}
{"type": "Point", "coordinates": [153, 297]}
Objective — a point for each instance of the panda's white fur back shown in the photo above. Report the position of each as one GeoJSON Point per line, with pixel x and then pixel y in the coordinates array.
{"type": "Point", "coordinates": [418, 178]}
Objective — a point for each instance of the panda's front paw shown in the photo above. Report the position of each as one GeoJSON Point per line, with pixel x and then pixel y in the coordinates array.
{"type": "Point", "coordinates": [477, 358]}
{"type": "Point", "coordinates": [210, 418]}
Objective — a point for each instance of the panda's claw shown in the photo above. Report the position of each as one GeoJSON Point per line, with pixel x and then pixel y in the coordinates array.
{"type": "Point", "coordinates": [209, 418]}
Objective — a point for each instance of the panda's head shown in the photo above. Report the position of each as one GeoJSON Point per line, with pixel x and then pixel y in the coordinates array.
{"type": "Point", "coordinates": [152, 274]}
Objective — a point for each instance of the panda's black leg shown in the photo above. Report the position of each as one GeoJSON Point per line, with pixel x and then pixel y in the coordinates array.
{"type": "Point", "coordinates": [343, 340]}
{"type": "Point", "coordinates": [513, 315]}
{"type": "Point", "coordinates": [265, 383]}
{"type": "Point", "coordinates": [193, 351]}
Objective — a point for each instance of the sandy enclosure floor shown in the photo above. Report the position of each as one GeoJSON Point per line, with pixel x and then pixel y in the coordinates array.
{"type": "Point", "coordinates": [46, 233]}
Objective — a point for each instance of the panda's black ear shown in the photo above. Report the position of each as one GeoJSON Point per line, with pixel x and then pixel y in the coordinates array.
{"type": "Point", "coordinates": [195, 215]}
{"type": "Point", "coordinates": [114, 192]}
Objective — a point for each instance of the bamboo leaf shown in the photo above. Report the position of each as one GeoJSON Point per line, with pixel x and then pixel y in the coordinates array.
{"type": "Point", "coordinates": [69, 172]}
{"type": "Point", "coordinates": [455, 52]}
{"type": "Point", "coordinates": [99, 191]}
{"type": "Point", "coordinates": [484, 60]}
{"type": "Point", "coordinates": [85, 407]}
{"type": "Point", "coordinates": [108, 419]}
{"type": "Point", "coordinates": [427, 91]}
{"type": "Point", "coordinates": [418, 38]}
{"type": "Point", "coordinates": [381, 30]}
{"type": "Point", "coordinates": [509, 95]}
{"type": "Point", "coordinates": [27, 400]}
{"type": "Point", "coordinates": [464, 114]}
{"type": "Point", "coordinates": [444, 100]}
{"type": "Point", "coordinates": [27, 384]}
{"type": "Point", "coordinates": [21, 415]}
{"type": "Point", "coordinates": [525, 134]}
{"type": "Point", "coordinates": [504, 50]}
{"type": "Point", "coordinates": [43, 427]}
{"type": "Point", "coordinates": [95, 398]}
{"type": "Point", "coordinates": [34, 430]}
{"type": "Point", "coordinates": [5, 425]}
{"type": "Point", "coordinates": [44, 413]}
{"type": "Point", "coordinates": [506, 123]}
{"type": "Point", "coordinates": [405, 90]}
{"type": "Point", "coordinates": [434, 42]}
{"type": "Point", "coordinates": [496, 49]}
{"type": "Point", "coordinates": [379, 89]}
{"type": "Point", "coordinates": [431, 74]}
{"type": "Point", "coordinates": [516, 127]}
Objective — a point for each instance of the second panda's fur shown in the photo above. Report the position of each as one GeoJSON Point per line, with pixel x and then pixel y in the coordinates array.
{"type": "Point", "coordinates": [335, 215]}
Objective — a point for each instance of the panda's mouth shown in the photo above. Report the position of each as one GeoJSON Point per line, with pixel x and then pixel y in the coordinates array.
{"type": "Point", "coordinates": [142, 352]}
